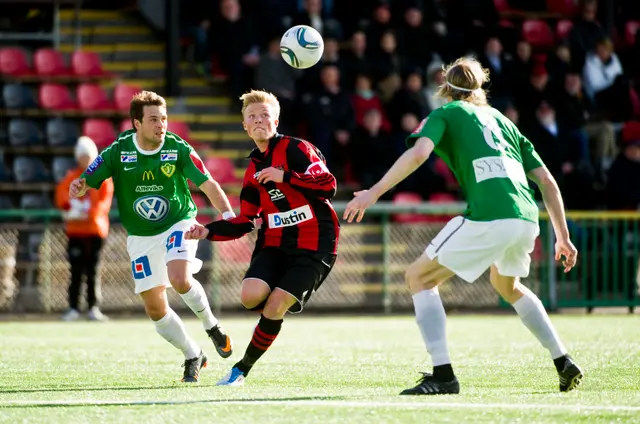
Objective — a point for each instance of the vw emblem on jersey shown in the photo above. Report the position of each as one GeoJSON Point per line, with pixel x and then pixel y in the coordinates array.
{"type": "Point", "coordinates": [152, 208]}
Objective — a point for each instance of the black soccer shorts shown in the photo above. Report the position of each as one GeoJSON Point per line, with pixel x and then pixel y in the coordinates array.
{"type": "Point", "coordinates": [296, 271]}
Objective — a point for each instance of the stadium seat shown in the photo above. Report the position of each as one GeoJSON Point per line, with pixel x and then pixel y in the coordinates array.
{"type": "Point", "coordinates": [201, 202]}
{"type": "Point", "coordinates": [87, 64]}
{"type": "Point", "coordinates": [563, 7]}
{"type": "Point", "coordinates": [538, 33]}
{"type": "Point", "coordinates": [100, 130]}
{"type": "Point", "coordinates": [6, 202]}
{"type": "Point", "coordinates": [23, 132]}
{"type": "Point", "coordinates": [630, 29]}
{"type": "Point", "coordinates": [29, 170]}
{"type": "Point", "coordinates": [91, 97]}
{"type": "Point", "coordinates": [563, 28]}
{"type": "Point", "coordinates": [49, 63]}
{"type": "Point", "coordinates": [5, 172]}
{"type": "Point", "coordinates": [56, 97]}
{"type": "Point", "coordinates": [180, 128]}
{"type": "Point", "coordinates": [408, 198]}
{"type": "Point", "coordinates": [60, 166]}
{"type": "Point", "coordinates": [17, 96]}
{"type": "Point", "coordinates": [501, 6]}
{"type": "Point", "coordinates": [221, 169]}
{"type": "Point", "coordinates": [61, 132]}
{"type": "Point", "coordinates": [13, 62]}
{"type": "Point", "coordinates": [122, 95]}
{"type": "Point", "coordinates": [125, 125]}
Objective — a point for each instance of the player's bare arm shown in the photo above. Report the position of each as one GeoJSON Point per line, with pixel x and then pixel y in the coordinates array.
{"type": "Point", "coordinates": [401, 169]}
{"type": "Point", "coordinates": [78, 188]}
{"type": "Point", "coordinates": [555, 207]}
{"type": "Point", "coordinates": [217, 197]}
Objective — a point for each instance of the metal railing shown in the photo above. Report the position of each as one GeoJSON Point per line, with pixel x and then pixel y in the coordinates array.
{"type": "Point", "coordinates": [368, 276]}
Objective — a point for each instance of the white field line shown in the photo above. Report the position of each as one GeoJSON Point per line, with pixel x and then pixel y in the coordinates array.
{"type": "Point", "coordinates": [333, 404]}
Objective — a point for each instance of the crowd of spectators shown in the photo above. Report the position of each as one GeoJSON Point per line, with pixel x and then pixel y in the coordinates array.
{"type": "Point", "coordinates": [577, 101]}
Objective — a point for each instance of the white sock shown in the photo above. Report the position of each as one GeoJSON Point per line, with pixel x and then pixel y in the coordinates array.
{"type": "Point", "coordinates": [431, 320]}
{"type": "Point", "coordinates": [171, 328]}
{"type": "Point", "coordinates": [535, 318]}
{"type": "Point", "coordinates": [196, 300]}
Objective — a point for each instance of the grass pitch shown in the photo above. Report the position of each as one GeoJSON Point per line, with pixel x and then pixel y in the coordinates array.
{"type": "Point", "coordinates": [319, 370]}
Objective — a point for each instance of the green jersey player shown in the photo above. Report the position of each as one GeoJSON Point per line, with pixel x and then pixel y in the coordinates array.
{"type": "Point", "coordinates": [150, 167]}
{"type": "Point", "coordinates": [491, 160]}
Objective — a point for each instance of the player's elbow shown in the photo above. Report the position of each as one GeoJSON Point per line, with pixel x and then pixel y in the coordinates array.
{"type": "Point", "coordinates": [421, 150]}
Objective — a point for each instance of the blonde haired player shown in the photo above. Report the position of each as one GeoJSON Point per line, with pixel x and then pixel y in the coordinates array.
{"type": "Point", "coordinates": [491, 160]}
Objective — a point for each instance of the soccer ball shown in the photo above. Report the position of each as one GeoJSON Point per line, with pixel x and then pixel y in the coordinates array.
{"type": "Point", "coordinates": [301, 46]}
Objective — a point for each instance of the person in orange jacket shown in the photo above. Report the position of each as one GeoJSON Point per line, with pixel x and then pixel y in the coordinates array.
{"type": "Point", "coordinates": [87, 226]}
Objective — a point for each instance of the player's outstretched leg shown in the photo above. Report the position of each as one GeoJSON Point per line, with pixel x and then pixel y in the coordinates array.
{"type": "Point", "coordinates": [423, 277]}
{"type": "Point", "coordinates": [264, 334]}
{"type": "Point", "coordinates": [533, 315]}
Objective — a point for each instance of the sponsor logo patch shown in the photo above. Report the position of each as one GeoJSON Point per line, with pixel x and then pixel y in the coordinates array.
{"type": "Point", "coordinates": [149, 188]}
{"type": "Point", "coordinates": [152, 208]}
{"type": "Point", "coordinates": [166, 157]}
{"type": "Point", "coordinates": [94, 165]}
{"type": "Point", "coordinates": [129, 158]}
{"type": "Point", "coordinates": [290, 218]}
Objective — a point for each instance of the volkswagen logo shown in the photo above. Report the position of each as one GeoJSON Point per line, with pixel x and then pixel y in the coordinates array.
{"type": "Point", "coordinates": [152, 208]}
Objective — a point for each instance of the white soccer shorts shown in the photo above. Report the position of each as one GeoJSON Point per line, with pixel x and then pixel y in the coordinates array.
{"type": "Point", "coordinates": [469, 248]}
{"type": "Point", "coordinates": [150, 255]}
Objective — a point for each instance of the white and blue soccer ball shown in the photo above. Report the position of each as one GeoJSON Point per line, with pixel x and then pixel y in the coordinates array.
{"type": "Point", "coordinates": [301, 46]}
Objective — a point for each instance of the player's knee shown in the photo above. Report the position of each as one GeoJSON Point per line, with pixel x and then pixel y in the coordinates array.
{"type": "Point", "coordinates": [251, 299]}
{"type": "Point", "coordinates": [412, 278]}
{"type": "Point", "coordinates": [275, 310]}
{"type": "Point", "coordinates": [156, 312]}
{"type": "Point", "coordinates": [180, 282]}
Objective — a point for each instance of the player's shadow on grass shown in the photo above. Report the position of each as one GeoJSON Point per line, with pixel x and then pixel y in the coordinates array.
{"type": "Point", "coordinates": [72, 404]}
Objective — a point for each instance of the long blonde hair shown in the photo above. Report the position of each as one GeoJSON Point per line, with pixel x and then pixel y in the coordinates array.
{"type": "Point", "coordinates": [463, 80]}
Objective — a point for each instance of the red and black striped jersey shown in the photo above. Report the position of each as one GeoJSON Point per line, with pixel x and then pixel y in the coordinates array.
{"type": "Point", "coordinates": [296, 213]}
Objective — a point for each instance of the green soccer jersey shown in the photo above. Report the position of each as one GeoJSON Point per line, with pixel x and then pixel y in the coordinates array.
{"type": "Point", "coordinates": [488, 156]}
{"type": "Point", "coordinates": [150, 186]}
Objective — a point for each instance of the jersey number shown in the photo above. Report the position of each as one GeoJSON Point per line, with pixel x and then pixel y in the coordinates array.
{"type": "Point", "coordinates": [493, 134]}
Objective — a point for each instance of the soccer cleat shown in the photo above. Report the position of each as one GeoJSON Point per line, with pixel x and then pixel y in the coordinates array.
{"type": "Point", "coordinates": [95, 314]}
{"type": "Point", "coordinates": [71, 315]}
{"type": "Point", "coordinates": [429, 385]}
{"type": "Point", "coordinates": [234, 378]}
{"type": "Point", "coordinates": [192, 368]}
{"type": "Point", "coordinates": [570, 376]}
{"type": "Point", "coordinates": [222, 342]}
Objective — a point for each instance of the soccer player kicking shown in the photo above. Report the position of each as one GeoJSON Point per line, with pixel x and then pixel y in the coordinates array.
{"type": "Point", "coordinates": [150, 167]}
{"type": "Point", "coordinates": [288, 185]}
{"type": "Point", "coordinates": [491, 160]}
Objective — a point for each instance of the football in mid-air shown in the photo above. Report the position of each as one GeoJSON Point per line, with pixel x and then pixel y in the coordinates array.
{"type": "Point", "coordinates": [301, 46]}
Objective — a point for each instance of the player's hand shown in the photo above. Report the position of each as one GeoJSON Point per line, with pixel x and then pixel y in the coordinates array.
{"type": "Point", "coordinates": [196, 232]}
{"type": "Point", "coordinates": [78, 188]}
{"type": "Point", "coordinates": [270, 174]}
{"type": "Point", "coordinates": [358, 205]}
{"type": "Point", "coordinates": [565, 249]}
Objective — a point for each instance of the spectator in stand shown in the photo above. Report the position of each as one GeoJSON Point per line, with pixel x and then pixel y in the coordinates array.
{"type": "Point", "coordinates": [313, 14]}
{"type": "Point", "coordinates": [413, 39]}
{"type": "Point", "coordinates": [356, 61]}
{"type": "Point", "coordinates": [623, 184]}
{"type": "Point", "coordinates": [529, 96]}
{"type": "Point", "coordinates": [409, 99]}
{"type": "Point", "coordinates": [559, 65]}
{"type": "Point", "coordinates": [370, 137]}
{"type": "Point", "coordinates": [275, 76]}
{"type": "Point", "coordinates": [196, 17]}
{"type": "Point", "coordinates": [388, 65]}
{"type": "Point", "coordinates": [87, 226]}
{"type": "Point", "coordinates": [500, 69]}
{"type": "Point", "coordinates": [379, 25]}
{"type": "Point", "coordinates": [522, 65]}
{"type": "Point", "coordinates": [435, 78]}
{"type": "Point", "coordinates": [365, 99]}
{"type": "Point", "coordinates": [586, 31]}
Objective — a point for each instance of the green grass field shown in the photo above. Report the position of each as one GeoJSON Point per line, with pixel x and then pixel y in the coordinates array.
{"type": "Point", "coordinates": [320, 370]}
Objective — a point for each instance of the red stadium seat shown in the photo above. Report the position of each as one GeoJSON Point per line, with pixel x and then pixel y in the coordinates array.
{"type": "Point", "coordinates": [563, 28]}
{"type": "Point", "coordinates": [408, 198]}
{"type": "Point", "coordinates": [13, 61]}
{"type": "Point", "coordinates": [122, 95]}
{"type": "Point", "coordinates": [49, 63]}
{"type": "Point", "coordinates": [502, 5]}
{"type": "Point", "coordinates": [180, 128]}
{"type": "Point", "coordinates": [221, 169]}
{"type": "Point", "coordinates": [201, 202]}
{"type": "Point", "coordinates": [563, 7]}
{"type": "Point", "coordinates": [87, 64]}
{"type": "Point", "coordinates": [55, 97]}
{"type": "Point", "coordinates": [100, 130]}
{"type": "Point", "coordinates": [125, 125]}
{"type": "Point", "coordinates": [630, 29]}
{"type": "Point", "coordinates": [538, 33]}
{"type": "Point", "coordinates": [92, 97]}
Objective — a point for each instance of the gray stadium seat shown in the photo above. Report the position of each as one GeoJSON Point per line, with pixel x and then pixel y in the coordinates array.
{"type": "Point", "coordinates": [29, 170]}
{"type": "Point", "coordinates": [61, 132]}
{"type": "Point", "coordinates": [23, 132]}
{"type": "Point", "coordinates": [35, 201]}
{"type": "Point", "coordinates": [6, 202]}
{"type": "Point", "coordinates": [16, 96]}
{"type": "Point", "coordinates": [60, 166]}
{"type": "Point", "coordinates": [5, 172]}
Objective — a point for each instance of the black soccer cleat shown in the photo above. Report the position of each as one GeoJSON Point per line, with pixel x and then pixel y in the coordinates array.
{"type": "Point", "coordinates": [570, 376]}
{"type": "Point", "coordinates": [429, 385]}
{"type": "Point", "coordinates": [222, 342]}
{"type": "Point", "coordinates": [192, 368]}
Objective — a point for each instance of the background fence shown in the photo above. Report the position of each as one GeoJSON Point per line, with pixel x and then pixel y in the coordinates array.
{"type": "Point", "coordinates": [368, 275]}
